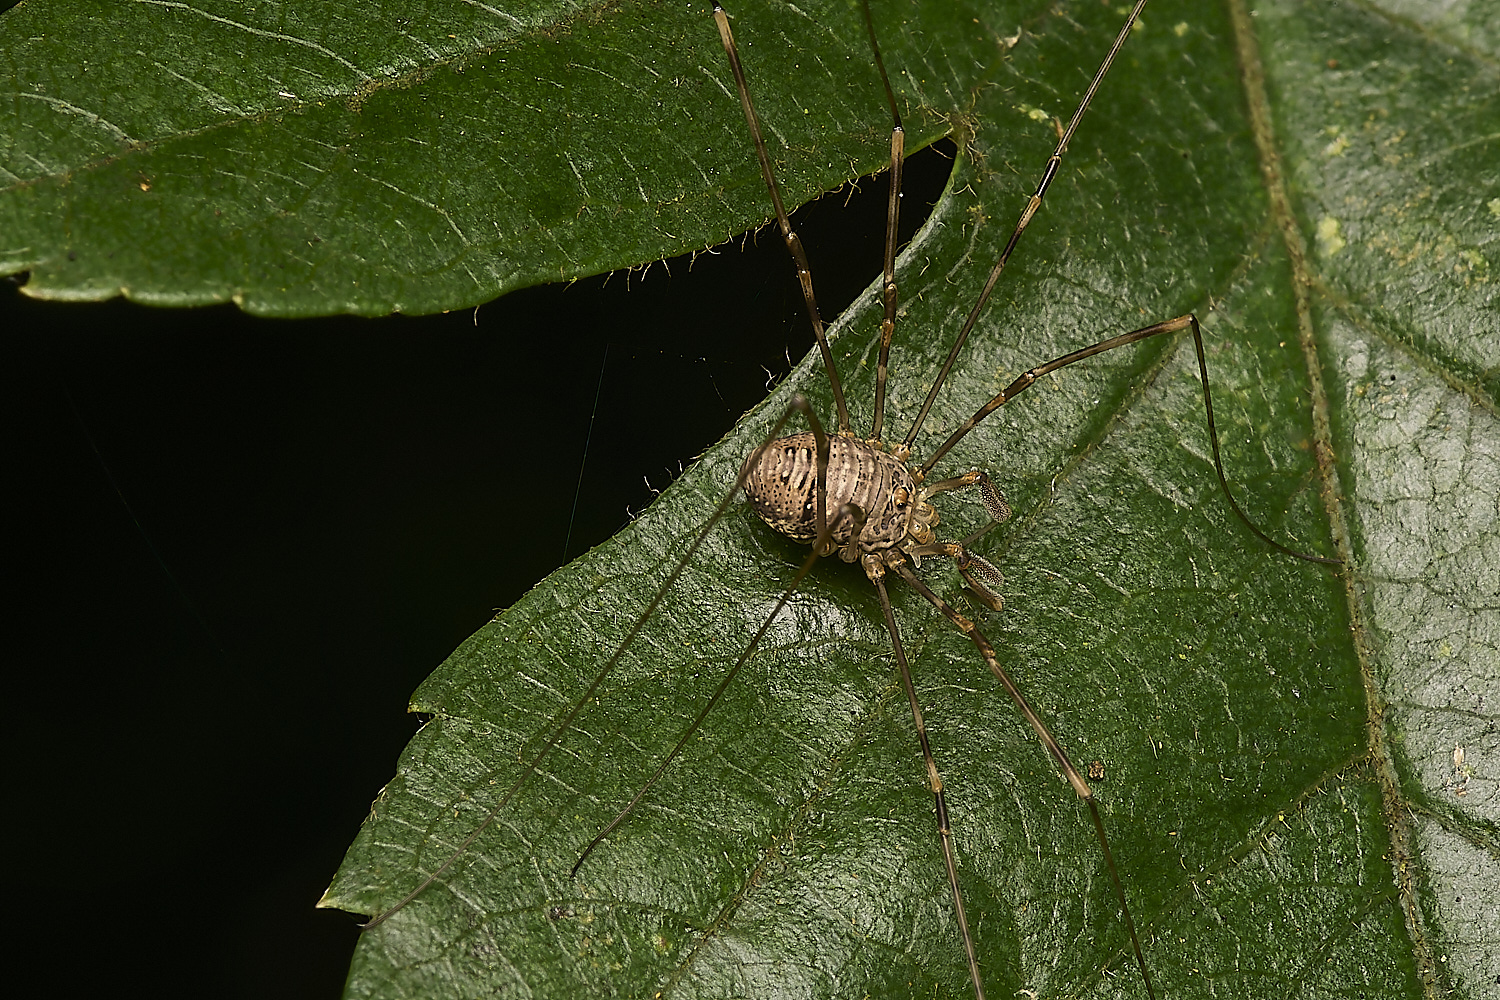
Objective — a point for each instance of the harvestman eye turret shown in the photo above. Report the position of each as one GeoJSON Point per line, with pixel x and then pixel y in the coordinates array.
{"type": "Point", "coordinates": [869, 502]}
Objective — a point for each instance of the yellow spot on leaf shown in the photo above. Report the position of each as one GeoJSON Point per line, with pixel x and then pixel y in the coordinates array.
{"type": "Point", "coordinates": [1330, 241]}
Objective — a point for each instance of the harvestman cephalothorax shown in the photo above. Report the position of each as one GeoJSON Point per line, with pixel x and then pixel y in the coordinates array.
{"type": "Point", "coordinates": [863, 497]}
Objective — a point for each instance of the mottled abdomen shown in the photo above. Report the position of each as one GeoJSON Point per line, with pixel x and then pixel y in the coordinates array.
{"type": "Point", "coordinates": [783, 489]}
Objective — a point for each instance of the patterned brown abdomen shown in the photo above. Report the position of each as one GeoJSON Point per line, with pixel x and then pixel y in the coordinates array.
{"type": "Point", "coordinates": [783, 489]}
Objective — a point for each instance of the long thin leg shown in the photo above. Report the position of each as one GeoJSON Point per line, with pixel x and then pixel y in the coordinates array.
{"type": "Point", "coordinates": [793, 243]}
{"type": "Point", "coordinates": [1029, 378]}
{"type": "Point", "coordinates": [893, 215]}
{"type": "Point", "coordinates": [1059, 755]}
{"type": "Point", "coordinates": [1053, 163]}
{"type": "Point", "coordinates": [824, 545]}
{"type": "Point", "coordinates": [821, 548]}
{"type": "Point", "coordinates": [568, 718]}
{"type": "Point", "coordinates": [934, 781]}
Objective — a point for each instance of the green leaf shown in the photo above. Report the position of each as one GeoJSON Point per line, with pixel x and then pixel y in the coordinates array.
{"type": "Point", "coordinates": [302, 160]}
{"type": "Point", "coordinates": [1282, 788]}
{"type": "Point", "coordinates": [1283, 783]}
{"type": "Point", "coordinates": [337, 158]}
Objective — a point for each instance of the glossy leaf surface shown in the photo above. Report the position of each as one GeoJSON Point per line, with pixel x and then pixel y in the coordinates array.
{"type": "Point", "coordinates": [1282, 746]}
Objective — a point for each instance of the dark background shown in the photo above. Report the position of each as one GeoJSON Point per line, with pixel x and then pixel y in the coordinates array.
{"type": "Point", "coordinates": [241, 543]}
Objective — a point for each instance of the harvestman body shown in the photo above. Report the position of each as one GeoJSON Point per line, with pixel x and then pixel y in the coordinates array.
{"type": "Point", "coordinates": [864, 500]}
{"type": "Point", "coordinates": [861, 498]}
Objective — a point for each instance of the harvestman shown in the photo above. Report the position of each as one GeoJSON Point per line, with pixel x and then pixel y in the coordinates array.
{"type": "Point", "coordinates": [866, 501]}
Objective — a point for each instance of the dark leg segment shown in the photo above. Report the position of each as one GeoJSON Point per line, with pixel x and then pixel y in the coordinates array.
{"type": "Point", "coordinates": [823, 542]}
{"type": "Point", "coordinates": [1029, 378]}
{"type": "Point", "coordinates": [1080, 786]}
{"type": "Point", "coordinates": [788, 236]}
{"type": "Point", "coordinates": [1053, 163]}
{"type": "Point", "coordinates": [893, 214]}
{"type": "Point", "coordinates": [876, 573]}
{"type": "Point", "coordinates": [564, 724]}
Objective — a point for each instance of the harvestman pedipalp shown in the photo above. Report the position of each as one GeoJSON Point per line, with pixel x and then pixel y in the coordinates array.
{"type": "Point", "coordinates": [846, 521]}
